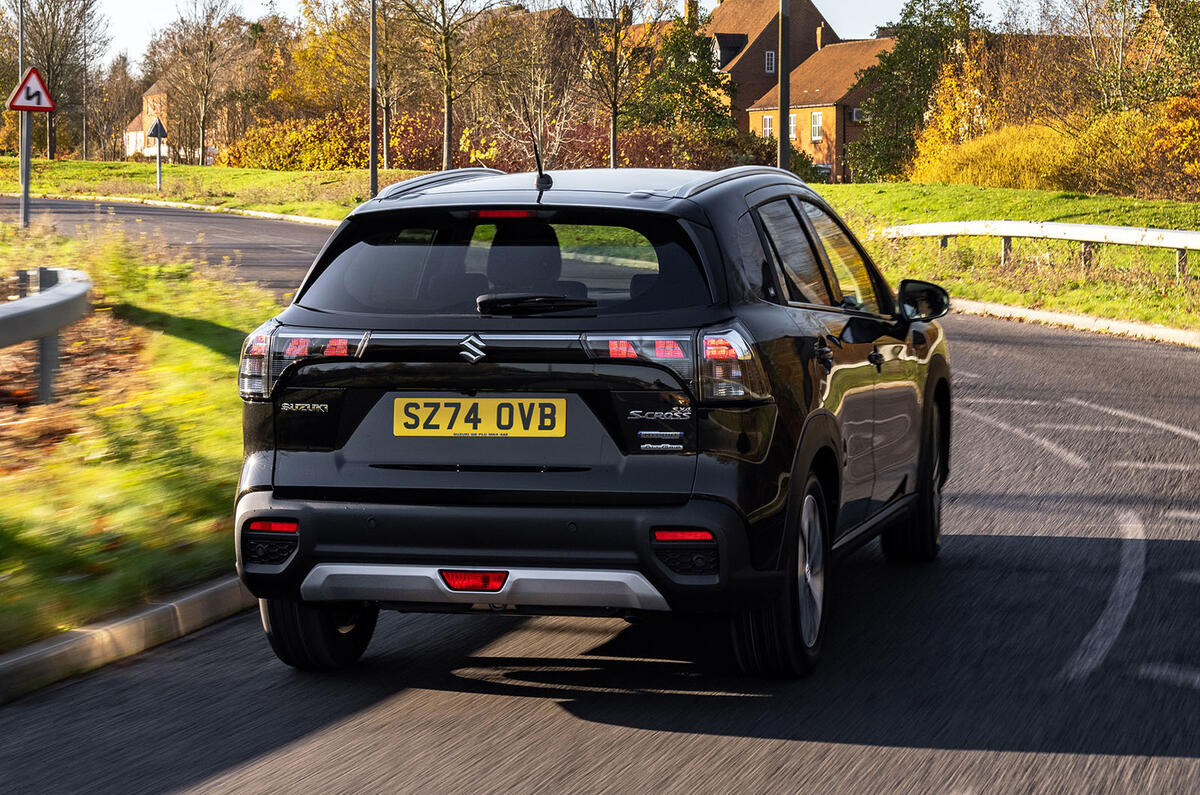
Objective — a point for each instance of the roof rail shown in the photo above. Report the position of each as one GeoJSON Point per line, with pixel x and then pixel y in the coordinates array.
{"type": "Point", "coordinates": [690, 189]}
{"type": "Point", "coordinates": [437, 178]}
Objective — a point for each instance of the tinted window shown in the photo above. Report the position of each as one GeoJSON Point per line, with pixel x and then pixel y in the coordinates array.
{"type": "Point", "coordinates": [436, 263]}
{"type": "Point", "coordinates": [805, 282]}
{"type": "Point", "coordinates": [849, 268]}
{"type": "Point", "coordinates": [755, 270]}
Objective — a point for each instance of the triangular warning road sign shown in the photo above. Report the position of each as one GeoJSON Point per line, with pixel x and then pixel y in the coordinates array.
{"type": "Point", "coordinates": [157, 130]}
{"type": "Point", "coordinates": [31, 93]}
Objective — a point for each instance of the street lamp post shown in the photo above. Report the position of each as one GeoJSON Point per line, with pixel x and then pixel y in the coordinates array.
{"type": "Point", "coordinates": [783, 68]}
{"type": "Point", "coordinates": [374, 142]}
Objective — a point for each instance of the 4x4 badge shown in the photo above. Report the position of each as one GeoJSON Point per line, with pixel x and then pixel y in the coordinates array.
{"type": "Point", "coordinates": [473, 348]}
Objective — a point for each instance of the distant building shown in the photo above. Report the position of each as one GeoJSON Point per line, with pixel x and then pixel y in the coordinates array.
{"type": "Point", "coordinates": [154, 106]}
{"type": "Point", "coordinates": [825, 115]}
{"type": "Point", "coordinates": [745, 37]}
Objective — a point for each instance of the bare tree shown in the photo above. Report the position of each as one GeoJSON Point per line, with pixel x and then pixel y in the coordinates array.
{"type": "Point", "coordinates": [196, 56]}
{"type": "Point", "coordinates": [59, 35]}
{"type": "Point", "coordinates": [457, 49]}
{"type": "Point", "coordinates": [116, 98]}
{"type": "Point", "coordinates": [535, 94]}
{"type": "Point", "coordinates": [620, 54]}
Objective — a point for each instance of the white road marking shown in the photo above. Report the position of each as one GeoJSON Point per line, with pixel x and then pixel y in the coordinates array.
{"type": "Point", "coordinates": [1004, 401]}
{"type": "Point", "coordinates": [1129, 415]}
{"type": "Point", "coordinates": [967, 374]}
{"type": "Point", "coordinates": [1066, 426]}
{"type": "Point", "coordinates": [1190, 577]}
{"type": "Point", "coordinates": [1049, 446]}
{"type": "Point", "coordinates": [1162, 465]}
{"type": "Point", "coordinates": [1187, 516]}
{"type": "Point", "coordinates": [1095, 647]}
{"type": "Point", "coordinates": [1171, 674]}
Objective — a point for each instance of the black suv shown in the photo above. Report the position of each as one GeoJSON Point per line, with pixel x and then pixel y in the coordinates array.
{"type": "Point", "coordinates": [597, 392]}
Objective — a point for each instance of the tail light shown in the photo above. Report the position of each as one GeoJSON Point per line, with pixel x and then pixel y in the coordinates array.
{"type": "Point", "coordinates": [670, 350]}
{"type": "Point", "coordinates": [729, 369]}
{"type": "Point", "coordinates": [270, 349]}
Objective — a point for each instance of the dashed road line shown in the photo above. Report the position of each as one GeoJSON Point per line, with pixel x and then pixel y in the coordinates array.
{"type": "Point", "coordinates": [1063, 453]}
{"type": "Point", "coordinates": [1096, 645]}
{"type": "Point", "coordinates": [1002, 401]}
{"type": "Point", "coordinates": [1066, 426]}
{"type": "Point", "coordinates": [1129, 415]}
{"type": "Point", "coordinates": [1190, 577]}
{"type": "Point", "coordinates": [1187, 516]}
{"type": "Point", "coordinates": [1171, 674]}
{"type": "Point", "coordinates": [1160, 465]}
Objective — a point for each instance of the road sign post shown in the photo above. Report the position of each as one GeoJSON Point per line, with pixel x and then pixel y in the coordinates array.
{"type": "Point", "coordinates": [30, 95]}
{"type": "Point", "coordinates": [159, 132]}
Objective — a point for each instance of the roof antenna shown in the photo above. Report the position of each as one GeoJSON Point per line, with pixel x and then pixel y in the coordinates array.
{"type": "Point", "coordinates": [543, 182]}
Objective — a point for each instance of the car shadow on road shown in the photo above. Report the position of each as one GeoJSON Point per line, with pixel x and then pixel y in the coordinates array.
{"type": "Point", "coordinates": [967, 653]}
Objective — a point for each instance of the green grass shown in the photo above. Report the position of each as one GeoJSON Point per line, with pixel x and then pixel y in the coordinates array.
{"type": "Point", "coordinates": [136, 499]}
{"type": "Point", "coordinates": [320, 194]}
{"type": "Point", "coordinates": [1122, 282]}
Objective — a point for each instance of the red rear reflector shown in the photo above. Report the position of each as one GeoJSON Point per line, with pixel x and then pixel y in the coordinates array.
{"type": "Point", "coordinates": [296, 347]}
{"type": "Point", "coordinates": [275, 526]}
{"type": "Point", "coordinates": [621, 349]}
{"type": "Point", "coordinates": [719, 348]}
{"type": "Point", "coordinates": [489, 581]}
{"type": "Point", "coordinates": [667, 349]}
{"type": "Point", "coordinates": [338, 346]}
{"type": "Point", "coordinates": [506, 214]}
{"type": "Point", "coordinates": [683, 535]}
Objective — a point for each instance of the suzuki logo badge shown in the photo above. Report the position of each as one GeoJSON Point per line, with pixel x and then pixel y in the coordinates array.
{"type": "Point", "coordinates": [473, 349]}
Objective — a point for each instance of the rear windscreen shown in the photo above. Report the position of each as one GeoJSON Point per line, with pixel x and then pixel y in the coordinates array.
{"type": "Point", "coordinates": [423, 263]}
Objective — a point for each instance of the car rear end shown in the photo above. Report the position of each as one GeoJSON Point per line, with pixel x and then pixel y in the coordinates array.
{"type": "Point", "coordinates": [495, 407]}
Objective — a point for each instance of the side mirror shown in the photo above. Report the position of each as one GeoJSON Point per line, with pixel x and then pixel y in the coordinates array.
{"type": "Point", "coordinates": [921, 301]}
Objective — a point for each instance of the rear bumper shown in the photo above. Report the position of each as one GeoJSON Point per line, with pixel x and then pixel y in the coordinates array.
{"type": "Point", "coordinates": [558, 557]}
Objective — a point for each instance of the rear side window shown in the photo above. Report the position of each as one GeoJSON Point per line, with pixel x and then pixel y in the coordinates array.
{"type": "Point", "coordinates": [438, 263]}
{"type": "Point", "coordinates": [796, 254]}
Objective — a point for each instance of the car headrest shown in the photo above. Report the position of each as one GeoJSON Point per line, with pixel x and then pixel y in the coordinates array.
{"type": "Point", "coordinates": [524, 257]}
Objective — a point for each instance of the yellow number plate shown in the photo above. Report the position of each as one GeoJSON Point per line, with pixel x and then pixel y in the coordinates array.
{"type": "Point", "coordinates": [495, 417]}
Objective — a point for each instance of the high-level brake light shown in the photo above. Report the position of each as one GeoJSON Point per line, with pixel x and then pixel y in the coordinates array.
{"type": "Point", "coordinates": [485, 581]}
{"type": "Point", "coordinates": [505, 214]}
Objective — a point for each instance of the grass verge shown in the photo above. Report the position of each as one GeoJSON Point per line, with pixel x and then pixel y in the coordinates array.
{"type": "Point", "coordinates": [123, 489]}
{"type": "Point", "coordinates": [320, 194]}
{"type": "Point", "coordinates": [1121, 282]}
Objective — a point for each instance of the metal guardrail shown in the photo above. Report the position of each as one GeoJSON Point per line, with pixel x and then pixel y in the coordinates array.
{"type": "Point", "coordinates": [1090, 235]}
{"type": "Point", "coordinates": [61, 299]}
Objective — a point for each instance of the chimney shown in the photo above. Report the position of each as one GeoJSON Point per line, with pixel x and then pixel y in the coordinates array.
{"type": "Point", "coordinates": [626, 16]}
{"type": "Point", "coordinates": [820, 33]}
{"type": "Point", "coordinates": [691, 13]}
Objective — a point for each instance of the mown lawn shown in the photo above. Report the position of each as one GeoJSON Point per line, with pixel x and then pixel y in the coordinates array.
{"type": "Point", "coordinates": [123, 490]}
{"type": "Point", "coordinates": [1122, 282]}
{"type": "Point", "coordinates": [320, 194]}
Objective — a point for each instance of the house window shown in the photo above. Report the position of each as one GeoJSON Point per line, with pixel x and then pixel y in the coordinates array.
{"type": "Point", "coordinates": [770, 63]}
{"type": "Point", "coordinates": [816, 125]}
{"type": "Point", "coordinates": [791, 125]}
{"type": "Point", "coordinates": [766, 126]}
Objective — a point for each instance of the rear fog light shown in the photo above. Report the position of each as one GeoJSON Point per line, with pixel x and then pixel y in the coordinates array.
{"type": "Point", "coordinates": [683, 535]}
{"type": "Point", "coordinates": [486, 581]}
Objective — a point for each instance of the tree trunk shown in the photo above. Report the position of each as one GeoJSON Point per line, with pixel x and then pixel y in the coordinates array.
{"type": "Point", "coordinates": [447, 124]}
{"type": "Point", "coordinates": [387, 134]}
{"type": "Point", "coordinates": [200, 156]}
{"type": "Point", "coordinates": [612, 138]}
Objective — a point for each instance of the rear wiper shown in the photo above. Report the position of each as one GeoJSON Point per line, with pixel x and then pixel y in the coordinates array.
{"type": "Point", "coordinates": [528, 303]}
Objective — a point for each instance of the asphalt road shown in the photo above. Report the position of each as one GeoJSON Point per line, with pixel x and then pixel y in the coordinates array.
{"type": "Point", "coordinates": [1053, 647]}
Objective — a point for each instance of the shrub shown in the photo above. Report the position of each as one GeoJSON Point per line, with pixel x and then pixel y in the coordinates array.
{"type": "Point", "coordinates": [1029, 156]}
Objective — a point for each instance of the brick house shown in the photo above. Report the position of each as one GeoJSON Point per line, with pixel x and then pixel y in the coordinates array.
{"type": "Point", "coordinates": [745, 35]}
{"type": "Point", "coordinates": [154, 106]}
{"type": "Point", "coordinates": [825, 114]}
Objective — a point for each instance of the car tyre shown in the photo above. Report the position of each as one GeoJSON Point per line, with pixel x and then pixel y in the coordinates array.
{"type": "Point", "coordinates": [318, 637]}
{"type": "Point", "coordinates": [784, 638]}
{"type": "Point", "coordinates": [919, 539]}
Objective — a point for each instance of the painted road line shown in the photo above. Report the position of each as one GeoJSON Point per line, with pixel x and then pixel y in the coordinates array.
{"type": "Point", "coordinates": [1190, 577]}
{"type": "Point", "coordinates": [1096, 645]}
{"type": "Point", "coordinates": [1159, 465]}
{"type": "Point", "coordinates": [1171, 674]}
{"type": "Point", "coordinates": [1187, 516]}
{"type": "Point", "coordinates": [966, 374]}
{"type": "Point", "coordinates": [1129, 415]}
{"type": "Point", "coordinates": [1050, 447]}
{"type": "Point", "coordinates": [1066, 426]}
{"type": "Point", "coordinates": [1001, 401]}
